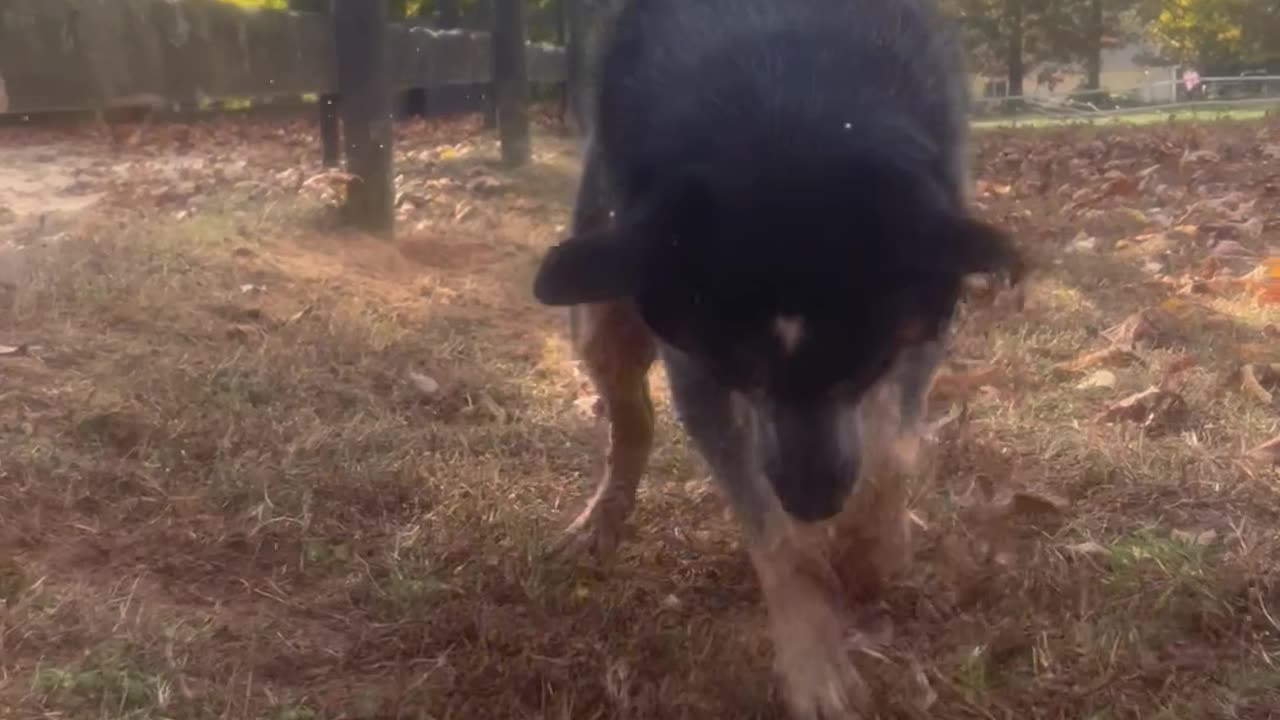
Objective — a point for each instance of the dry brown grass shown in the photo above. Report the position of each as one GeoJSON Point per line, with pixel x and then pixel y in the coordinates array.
{"type": "Point", "coordinates": [221, 501]}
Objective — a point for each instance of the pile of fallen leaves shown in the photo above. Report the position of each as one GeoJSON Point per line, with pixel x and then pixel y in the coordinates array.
{"type": "Point", "coordinates": [1194, 210]}
{"type": "Point", "coordinates": [178, 168]}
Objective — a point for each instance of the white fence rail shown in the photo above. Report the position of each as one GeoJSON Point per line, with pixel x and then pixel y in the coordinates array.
{"type": "Point", "coordinates": [1235, 91]}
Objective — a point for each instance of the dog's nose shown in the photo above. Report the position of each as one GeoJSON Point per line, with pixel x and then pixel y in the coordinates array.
{"type": "Point", "coordinates": [812, 489]}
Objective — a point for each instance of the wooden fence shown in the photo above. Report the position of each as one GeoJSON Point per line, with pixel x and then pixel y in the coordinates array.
{"type": "Point", "coordinates": [69, 55]}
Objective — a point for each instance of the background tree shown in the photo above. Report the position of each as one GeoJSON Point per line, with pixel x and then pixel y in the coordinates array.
{"type": "Point", "coordinates": [448, 13]}
{"type": "Point", "coordinates": [1217, 36]}
{"type": "Point", "coordinates": [1001, 36]}
{"type": "Point", "coordinates": [1205, 33]}
{"type": "Point", "coordinates": [1261, 33]}
{"type": "Point", "coordinates": [576, 65]}
{"type": "Point", "coordinates": [511, 81]}
{"type": "Point", "coordinates": [1010, 37]}
{"type": "Point", "coordinates": [1077, 31]}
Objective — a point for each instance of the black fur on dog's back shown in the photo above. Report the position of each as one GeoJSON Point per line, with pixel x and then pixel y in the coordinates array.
{"type": "Point", "coordinates": [697, 81]}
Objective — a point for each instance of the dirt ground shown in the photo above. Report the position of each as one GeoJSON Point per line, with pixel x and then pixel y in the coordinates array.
{"type": "Point", "coordinates": [256, 466]}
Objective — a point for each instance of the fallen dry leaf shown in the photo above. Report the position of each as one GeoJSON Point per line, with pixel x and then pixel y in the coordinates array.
{"type": "Point", "coordinates": [1083, 243]}
{"type": "Point", "coordinates": [1028, 503]}
{"type": "Point", "coordinates": [332, 178]}
{"type": "Point", "coordinates": [1099, 379]}
{"type": "Point", "coordinates": [923, 696]}
{"type": "Point", "coordinates": [1200, 157]}
{"type": "Point", "coordinates": [1251, 385]}
{"type": "Point", "coordinates": [1205, 537]}
{"type": "Point", "coordinates": [297, 316]}
{"type": "Point", "coordinates": [979, 289]}
{"type": "Point", "coordinates": [1122, 186]}
{"type": "Point", "coordinates": [1251, 228]}
{"type": "Point", "coordinates": [1173, 374]}
{"type": "Point", "coordinates": [1268, 451]}
{"type": "Point", "coordinates": [1270, 292]}
{"type": "Point", "coordinates": [1231, 249]}
{"type": "Point", "coordinates": [1022, 508]}
{"type": "Point", "coordinates": [589, 407]}
{"type": "Point", "coordinates": [1152, 408]}
{"type": "Point", "coordinates": [1158, 240]}
{"type": "Point", "coordinates": [1113, 356]}
{"type": "Point", "coordinates": [1254, 352]}
{"type": "Point", "coordinates": [987, 188]}
{"type": "Point", "coordinates": [291, 178]}
{"type": "Point", "coordinates": [245, 331]}
{"type": "Point", "coordinates": [949, 385]}
{"type": "Point", "coordinates": [486, 185]}
{"type": "Point", "coordinates": [1193, 315]}
{"type": "Point", "coordinates": [492, 407]}
{"type": "Point", "coordinates": [1143, 328]}
{"type": "Point", "coordinates": [952, 422]}
{"type": "Point", "coordinates": [1217, 286]}
{"type": "Point", "coordinates": [425, 384]}
{"type": "Point", "coordinates": [1209, 268]}
{"type": "Point", "coordinates": [1087, 547]}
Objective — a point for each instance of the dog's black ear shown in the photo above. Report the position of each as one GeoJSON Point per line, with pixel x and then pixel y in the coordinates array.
{"type": "Point", "coordinates": [937, 257]}
{"type": "Point", "coordinates": [618, 262]}
{"type": "Point", "coordinates": [588, 268]}
{"type": "Point", "coordinates": [956, 246]}
{"type": "Point", "coordinates": [979, 247]}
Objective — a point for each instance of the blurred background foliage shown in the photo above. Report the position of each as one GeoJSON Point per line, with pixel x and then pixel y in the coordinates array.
{"type": "Point", "coordinates": [541, 16]}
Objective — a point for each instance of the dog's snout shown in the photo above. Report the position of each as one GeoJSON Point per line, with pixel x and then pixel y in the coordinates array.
{"type": "Point", "coordinates": [809, 463]}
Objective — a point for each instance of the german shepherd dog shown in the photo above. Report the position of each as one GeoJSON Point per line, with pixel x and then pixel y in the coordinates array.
{"type": "Point", "coordinates": [774, 203]}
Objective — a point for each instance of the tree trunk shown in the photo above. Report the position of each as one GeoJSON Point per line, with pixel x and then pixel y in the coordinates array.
{"type": "Point", "coordinates": [364, 82]}
{"type": "Point", "coordinates": [1093, 47]}
{"type": "Point", "coordinates": [449, 15]}
{"type": "Point", "coordinates": [1016, 36]}
{"type": "Point", "coordinates": [576, 62]}
{"type": "Point", "coordinates": [480, 17]}
{"type": "Point", "coordinates": [511, 81]}
{"type": "Point", "coordinates": [562, 32]}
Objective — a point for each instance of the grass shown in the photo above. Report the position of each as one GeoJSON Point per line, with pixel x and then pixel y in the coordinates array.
{"type": "Point", "coordinates": [223, 496]}
{"type": "Point", "coordinates": [1197, 112]}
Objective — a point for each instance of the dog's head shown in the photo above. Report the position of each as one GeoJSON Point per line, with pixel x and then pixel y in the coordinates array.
{"type": "Point", "coordinates": [799, 291]}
